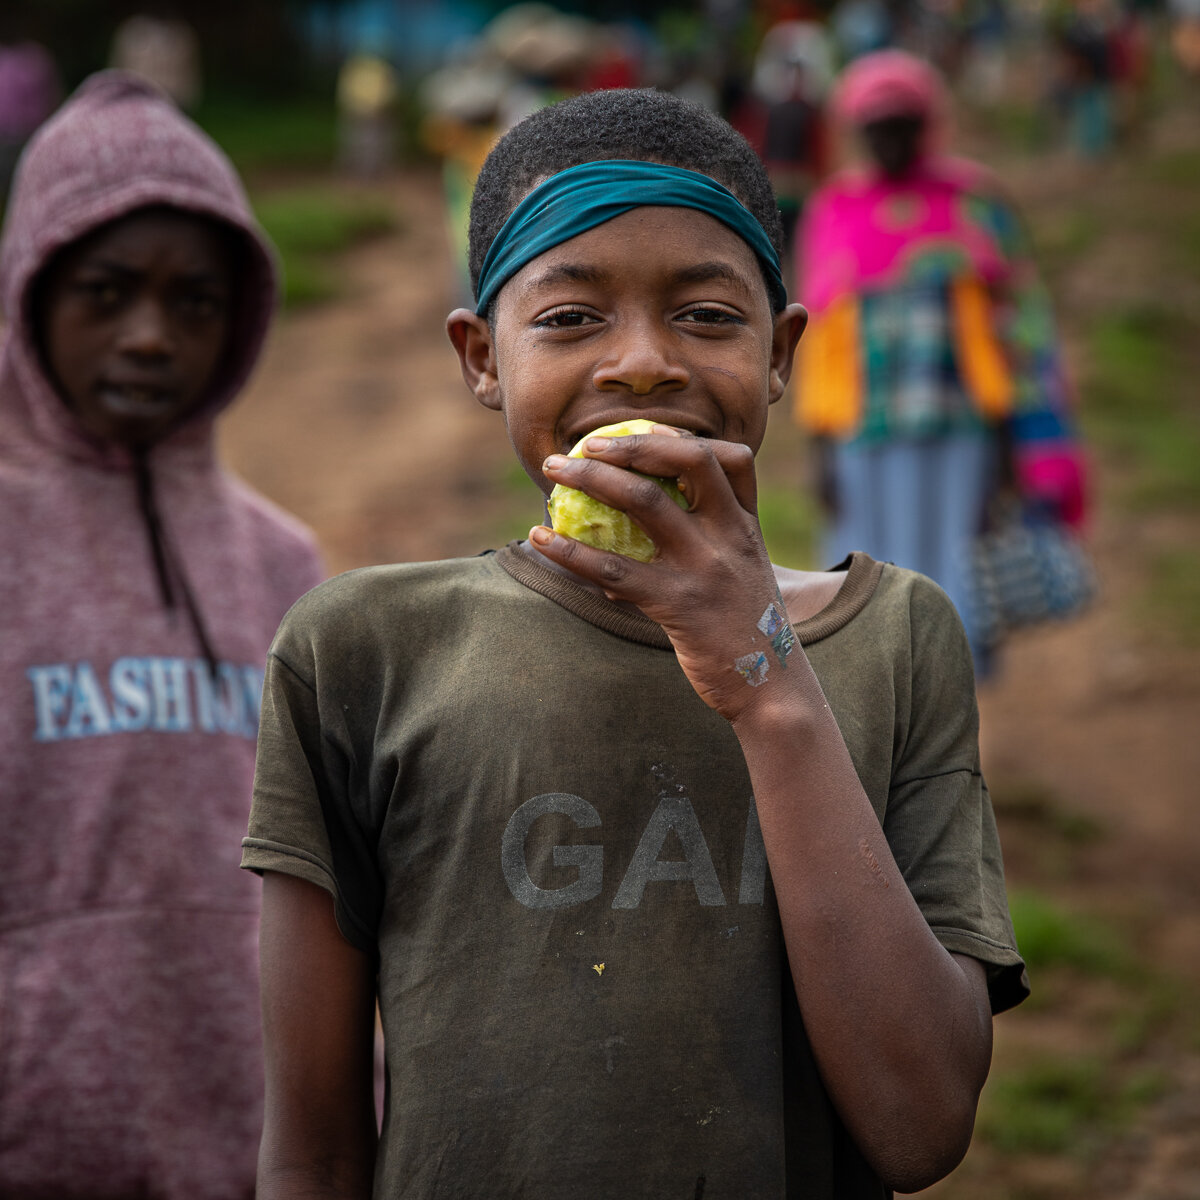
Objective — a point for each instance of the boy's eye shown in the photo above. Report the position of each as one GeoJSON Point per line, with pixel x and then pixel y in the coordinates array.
{"type": "Point", "coordinates": [564, 318]}
{"type": "Point", "coordinates": [102, 292]}
{"type": "Point", "coordinates": [710, 315]}
{"type": "Point", "coordinates": [202, 305]}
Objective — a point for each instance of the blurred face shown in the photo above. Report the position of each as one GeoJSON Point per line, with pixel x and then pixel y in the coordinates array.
{"type": "Point", "coordinates": [895, 143]}
{"type": "Point", "coordinates": [134, 320]}
{"type": "Point", "coordinates": [660, 313]}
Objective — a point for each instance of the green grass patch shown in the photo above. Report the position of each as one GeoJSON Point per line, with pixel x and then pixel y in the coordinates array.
{"type": "Point", "coordinates": [516, 483]}
{"type": "Point", "coordinates": [1179, 169]}
{"type": "Point", "coordinates": [259, 135]}
{"type": "Point", "coordinates": [1043, 1108]}
{"type": "Point", "coordinates": [509, 504]}
{"type": "Point", "coordinates": [1070, 1104]}
{"type": "Point", "coordinates": [1064, 1105]}
{"type": "Point", "coordinates": [323, 221]}
{"type": "Point", "coordinates": [1064, 950]}
{"type": "Point", "coordinates": [1050, 936]}
{"type": "Point", "coordinates": [1157, 1006]}
{"type": "Point", "coordinates": [789, 521]}
{"type": "Point", "coordinates": [1065, 238]}
{"type": "Point", "coordinates": [1010, 125]}
{"type": "Point", "coordinates": [1138, 405]}
{"type": "Point", "coordinates": [1140, 408]}
{"type": "Point", "coordinates": [1172, 592]}
{"type": "Point", "coordinates": [1187, 241]}
{"type": "Point", "coordinates": [311, 225]}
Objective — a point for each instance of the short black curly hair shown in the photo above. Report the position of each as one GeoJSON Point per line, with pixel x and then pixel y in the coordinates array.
{"type": "Point", "coordinates": [635, 123]}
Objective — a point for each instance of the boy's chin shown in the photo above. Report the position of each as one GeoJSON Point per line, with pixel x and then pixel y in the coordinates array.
{"type": "Point", "coordinates": [135, 428]}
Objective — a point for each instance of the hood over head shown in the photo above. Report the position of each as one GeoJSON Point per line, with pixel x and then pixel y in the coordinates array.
{"type": "Point", "coordinates": [116, 146]}
{"type": "Point", "coordinates": [893, 83]}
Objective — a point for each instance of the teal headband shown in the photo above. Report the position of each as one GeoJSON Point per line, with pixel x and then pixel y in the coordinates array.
{"type": "Point", "coordinates": [580, 198]}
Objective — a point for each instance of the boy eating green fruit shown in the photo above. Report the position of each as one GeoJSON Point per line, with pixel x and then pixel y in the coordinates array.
{"type": "Point", "coordinates": [673, 877]}
{"type": "Point", "coordinates": [577, 515]}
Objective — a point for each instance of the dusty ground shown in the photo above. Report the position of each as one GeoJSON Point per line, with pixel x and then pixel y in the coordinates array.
{"type": "Point", "coordinates": [360, 424]}
{"type": "Point", "coordinates": [359, 421]}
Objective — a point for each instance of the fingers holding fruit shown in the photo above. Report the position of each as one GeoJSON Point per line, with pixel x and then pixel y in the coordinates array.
{"type": "Point", "coordinates": [585, 518]}
{"type": "Point", "coordinates": [628, 504]}
{"type": "Point", "coordinates": [703, 468]}
{"type": "Point", "coordinates": [620, 486]}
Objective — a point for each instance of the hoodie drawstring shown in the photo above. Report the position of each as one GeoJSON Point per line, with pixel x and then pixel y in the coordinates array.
{"type": "Point", "coordinates": [166, 562]}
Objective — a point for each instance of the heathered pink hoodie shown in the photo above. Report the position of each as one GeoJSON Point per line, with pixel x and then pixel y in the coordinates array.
{"type": "Point", "coordinates": [130, 1060]}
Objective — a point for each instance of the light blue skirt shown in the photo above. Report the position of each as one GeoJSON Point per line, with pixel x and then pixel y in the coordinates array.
{"type": "Point", "coordinates": [916, 503]}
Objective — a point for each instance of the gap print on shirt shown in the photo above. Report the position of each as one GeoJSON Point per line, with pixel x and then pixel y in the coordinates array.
{"type": "Point", "coordinates": [674, 814]}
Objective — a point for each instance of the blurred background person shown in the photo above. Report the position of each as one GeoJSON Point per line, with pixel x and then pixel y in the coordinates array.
{"type": "Point", "coordinates": [783, 116]}
{"type": "Point", "coordinates": [861, 27]}
{"type": "Point", "coordinates": [140, 586]}
{"type": "Point", "coordinates": [163, 48]}
{"type": "Point", "coordinates": [367, 90]}
{"type": "Point", "coordinates": [1084, 39]}
{"type": "Point", "coordinates": [29, 92]}
{"type": "Point", "coordinates": [528, 56]}
{"type": "Point", "coordinates": [930, 339]}
{"type": "Point", "coordinates": [987, 34]}
{"type": "Point", "coordinates": [463, 107]}
{"type": "Point", "coordinates": [1184, 17]}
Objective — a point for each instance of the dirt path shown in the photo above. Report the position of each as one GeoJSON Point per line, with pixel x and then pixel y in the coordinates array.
{"type": "Point", "coordinates": [359, 422]}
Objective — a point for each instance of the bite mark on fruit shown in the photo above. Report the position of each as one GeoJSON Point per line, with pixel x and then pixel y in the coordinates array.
{"type": "Point", "coordinates": [575, 514]}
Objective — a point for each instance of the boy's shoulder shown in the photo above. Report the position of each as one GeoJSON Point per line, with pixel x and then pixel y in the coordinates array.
{"type": "Point", "coordinates": [885, 611]}
{"type": "Point", "coordinates": [922, 596]}
{"type": "Point", "coordinates": [914, 614]}
{"type": "Point", "coordinates": [400, 579]}
{"type": "Point", "coordinates": [860, 591]}
{"type": "Point", "coordinates": [914, 600]}
{"type": "Point", "coordinates": [379, 602]}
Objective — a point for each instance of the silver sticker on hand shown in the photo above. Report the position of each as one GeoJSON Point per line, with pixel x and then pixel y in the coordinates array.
{"type": "Point", "coordinates": [774, 624]}
{"type": "Point", "coordinates": [753, 668]}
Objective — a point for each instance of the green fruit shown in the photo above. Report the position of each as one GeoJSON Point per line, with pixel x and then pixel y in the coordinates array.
{"type": "Point", "coordinates": [577, 515]}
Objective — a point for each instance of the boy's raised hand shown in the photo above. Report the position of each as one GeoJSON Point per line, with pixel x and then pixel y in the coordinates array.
{"type": "Point", "coordinates": [900, 1027]}
{"type": "Point", "coordinates": [710, 585]}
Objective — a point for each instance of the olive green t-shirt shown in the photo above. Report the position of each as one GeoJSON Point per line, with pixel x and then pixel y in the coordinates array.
{"type": "Point", "coordinates": [549, 842]}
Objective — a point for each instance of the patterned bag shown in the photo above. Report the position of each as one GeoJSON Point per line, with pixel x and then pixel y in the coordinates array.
{"type": "Point", "coordinates": [1026, 569]}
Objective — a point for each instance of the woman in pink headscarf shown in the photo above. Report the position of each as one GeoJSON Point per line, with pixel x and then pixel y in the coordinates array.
{"type": "Point", "coordinates": [931, 346]}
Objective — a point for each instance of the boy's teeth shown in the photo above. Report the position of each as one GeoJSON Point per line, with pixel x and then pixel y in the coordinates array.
{"type": "Point", "coordinates": [133, 395]}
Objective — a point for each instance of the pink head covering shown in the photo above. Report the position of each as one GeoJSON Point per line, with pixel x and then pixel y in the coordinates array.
{"type": "Point", "coordinates": [864, 231]}
{"type": "Point", "coordinates": [892, 83]}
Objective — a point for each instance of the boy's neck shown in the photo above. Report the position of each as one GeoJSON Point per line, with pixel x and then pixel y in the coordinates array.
{"type": "Point", "coordinates": [558, 569]}
{"type": "Point", "coordinates": [805, 593]}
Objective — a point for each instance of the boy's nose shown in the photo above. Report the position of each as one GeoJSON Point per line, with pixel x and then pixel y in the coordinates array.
{"type": "Point", "coordinates": [643, 361]}
{"type": "Point", "coordinates": [147, 331]}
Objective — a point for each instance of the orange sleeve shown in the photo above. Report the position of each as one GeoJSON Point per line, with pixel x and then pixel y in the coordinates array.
{"type": "Point", "coordinates": [828, 398]}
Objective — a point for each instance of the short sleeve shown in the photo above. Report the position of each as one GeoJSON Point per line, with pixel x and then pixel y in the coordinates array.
{"type": "Point", "coordinates": [301, 822]}
{"type": "Point", "coordinates": [939, 821]}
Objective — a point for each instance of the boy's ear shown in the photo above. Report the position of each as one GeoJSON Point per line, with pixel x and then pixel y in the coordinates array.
{"type": "Point", "coordinates": [471, 337]}
{"type": "Point", "coordinates": [789, 325]}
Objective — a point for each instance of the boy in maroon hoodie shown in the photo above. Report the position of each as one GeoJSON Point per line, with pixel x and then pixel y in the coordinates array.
{"type": "Point", "coordinates": [140, 586]}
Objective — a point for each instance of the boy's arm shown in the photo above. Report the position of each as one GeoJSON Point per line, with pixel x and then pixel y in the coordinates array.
{"type": "Point", "coordinates": [318, 997]}
{"type": "Point", "coordinates": [901, 1028]}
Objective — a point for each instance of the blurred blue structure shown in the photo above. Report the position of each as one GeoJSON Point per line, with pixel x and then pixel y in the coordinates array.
{"type": "Point", "coordinates": [415, 35]}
